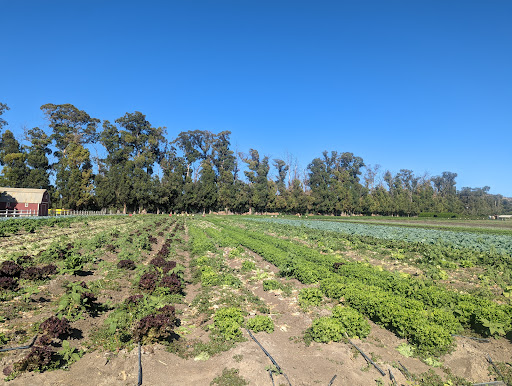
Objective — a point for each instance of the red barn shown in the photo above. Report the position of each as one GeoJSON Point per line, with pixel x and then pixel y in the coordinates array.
{"type": "Point", "coordinates": [25, 201]}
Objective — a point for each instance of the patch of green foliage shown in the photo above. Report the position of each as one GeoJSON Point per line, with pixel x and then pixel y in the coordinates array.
{"type": "Point", "coordinates": [116, 332]}
{"type": "Point", "coordinates": [228, 322]}
{"type": "Point", "coordinates": [354, 323]}
{"type": "Point", "coordinates": [310, 297]}
{"type": "Point", "coordinates": [325, 329]}
{"type": "Point", "coordinates": [77, 299]}
{"type": "Point", "coordinates": [229, 377]}
{"type": "Point", "coordinates": [272, 285]}
{"type": "Point", "coordinates": [248, 265]}
{"type": "Point", "coordinates": [260, 323]}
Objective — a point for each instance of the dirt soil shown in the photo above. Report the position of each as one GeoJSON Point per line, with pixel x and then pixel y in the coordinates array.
{"type": "Point", "coordinates": [315, 364]}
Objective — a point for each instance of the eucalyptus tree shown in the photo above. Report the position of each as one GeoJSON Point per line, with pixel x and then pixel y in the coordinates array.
{"type": "Point", "coordinates": [3, 122]}
{"type": "Point", "coordinates": [199, 146]}
{"type": "Point", "coordinates": [281, 191]}
{"type": "Point", "coordinates": [319, 180]}
{"type": "Point", "coordinates": [112, 182]}
{"type": "Point", "coordinates": [72, 129]}
{"type": "Point", "coordinates": [134, 148]}
{"type": "Point", "coordinates": [196, 146]}
{"type": "Point", "coordinates": [225, 164]}
{"type": "Point", "coordinates": [37, 159]}
{"type": "Point", "coordinates": [173, 181]}
{"type": "Point", "coordinates": [241, 203]}
{"type": "Point", "coordinates": [257, 175]}
{"type": "Point", "coordinates": [206, 192]}
{"type": "Point", "coordinates": [446, 192]}
{"type": "Point", "coordinates": [334, 183]}
{"type": "Point", "coordinates": [297, 199]}
{"type": "Point", "coordinates": [13, 161]}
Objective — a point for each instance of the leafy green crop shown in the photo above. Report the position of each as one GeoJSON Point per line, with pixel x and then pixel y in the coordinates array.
{"type": "Point", "coordinates": [326, 329]}
{"type": "Point", "coordinates": [260, 323]}
{"type": "Point", "coordinates": [355, 324]}
{"type": "Point", "coordinates": [310, 297]}
{"type": "Point", "coordinates": [228, 321]}
{"type": "Point", "coordinates": [478, 242]}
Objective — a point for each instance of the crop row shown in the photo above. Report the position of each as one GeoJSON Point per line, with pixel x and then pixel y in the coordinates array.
{"type": "Point", "coordinates": [13, 226]}
{"type": "Point", "coordinates": [501, 244]}
{"type": "Point", "coordinates": [433, 257]}
{"type": "Point", "coordinates": [418, 310]}
{"type": "Point", "coordinates": [222, 292]}
{"type": "Point", "coordinates": [147, 309]}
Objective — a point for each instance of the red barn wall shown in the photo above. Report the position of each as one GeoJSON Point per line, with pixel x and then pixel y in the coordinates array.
{"type": "Point", "coordinates": [31, 206]}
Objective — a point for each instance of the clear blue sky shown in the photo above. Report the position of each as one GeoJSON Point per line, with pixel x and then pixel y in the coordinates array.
{"type": "Point", "coordinates": [420, 85]}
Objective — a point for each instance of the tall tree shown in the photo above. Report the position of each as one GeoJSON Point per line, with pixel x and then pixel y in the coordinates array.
{"type": "Point", "coordinates": [258, 179]}
{"type": "Point", "coordinates": [297, 199]}
{"type": "Point", "coordinates": [12, 158]}
{"type": "Point", "coordinates": [113, 187]}
{"type": "Point", "coordinates": [319, 180]}
{"type": "Point", "coordinates": [196, 146]}
{"type": "Point", "coordinates": [207, 188]}
{"type": "Point", "coordinates": [3, 122]}
{"type": "Point", "coordinates": [145, 148]}
{"type": "Point", "coordinates": [445, 188]}
{"type": "Point", "coordinates": [37, 159]}
{"type": "Point", "coordinates": [334, 183]}
{"type": "Point", "coordinates": [134, 149]}
{"type": "Point", "coordinates": [173, 181]}
{"type": "Point", "coordinates": [3, 109]}
{"type": "Point", "coordinates": [72, 129]}
{"type": "Point", "coordinates": [225, 165]}
{"type": "Point", "coordinates": [282, 193]}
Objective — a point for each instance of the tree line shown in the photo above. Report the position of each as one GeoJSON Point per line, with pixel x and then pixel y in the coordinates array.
{"type": "Point", "coordinates": [198, 171]}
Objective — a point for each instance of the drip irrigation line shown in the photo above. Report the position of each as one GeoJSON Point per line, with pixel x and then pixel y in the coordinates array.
{"type": "Point", "coordinates": [392, 377]}
{"type": "Point", "coordinates": [405, 371]}
{"type": "Point", "coordinates": [265, 351]}
{"type": "Point", "coordinates": [269, 356]}
{"type": "Point", "coordinates": [494, 383]}
{"type": "Point", "coordinates": [271, 377]}
{"type": "Point", "coordinates": [495, 368]}
{"type": "Point", "coordinates": [332, 380]}
{"type": "Point", "coordinates": [365, 356]}
{"type": "Point", "coordinates": [21, 347]}
{"type": "Point", "coordinates": [472, 338]}
{"type": "Point", "coordinates": [139, 383]}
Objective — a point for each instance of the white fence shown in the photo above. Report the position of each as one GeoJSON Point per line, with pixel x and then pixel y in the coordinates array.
{"type": "Point", "coordinates": [61, 212]}
{"type": "Point", "coordinates": [18, 213]}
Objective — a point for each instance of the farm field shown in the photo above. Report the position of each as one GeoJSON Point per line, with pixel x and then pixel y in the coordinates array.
{"type": "Point", "coordinates": [429, 305]}
{"type": "Point", "coordinates": [477, 225]}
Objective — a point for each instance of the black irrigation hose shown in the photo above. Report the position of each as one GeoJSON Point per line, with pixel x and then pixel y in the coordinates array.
{"type": "Point", "coordinates": [269, 356]}
{"type": "Point", "coordinates": [139, 383]}
{"type": "Point", "coordinates": [332, 380]}
{"type": "Point", "coordinates": [470, 337]}
{"type": "Point", "coordinates": [496, 368]}
{"type": "Point", "coordinates": [405, 371]}
{"type": "Point", "coordinates": [365, 357]}
{"type": "Point", "coordinates": [392, 377]}
{"type": "Point", "coordinates": [19, 348]}
{"type": "Point", "coordinates": [271, 377]}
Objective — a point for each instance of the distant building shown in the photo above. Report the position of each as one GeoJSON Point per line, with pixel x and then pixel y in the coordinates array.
{"type": "Point", "coordinates": [25, 201]}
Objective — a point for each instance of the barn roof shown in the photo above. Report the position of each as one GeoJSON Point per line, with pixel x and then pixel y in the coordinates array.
{"type": "Point", "coordinates": [21, 195]}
